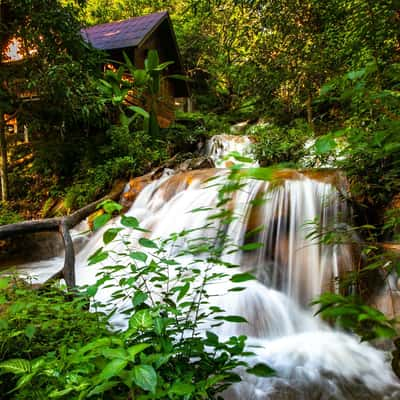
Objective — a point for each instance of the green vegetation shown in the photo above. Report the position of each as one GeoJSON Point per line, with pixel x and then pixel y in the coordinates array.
{"type": "Point", "coordinates": [53, 347]}
{"type": "Point", "coordinates": [294, 70]}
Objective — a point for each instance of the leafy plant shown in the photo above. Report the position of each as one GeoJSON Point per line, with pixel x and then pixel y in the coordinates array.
{"type": "Point", "coordinates": [274, 144]}
{"type": "Point", "coordinates": [143, 84]}
{"type": "Point", "coordinates": [166, 348]}
{"type": "Point", "coordinates": [8, 215]}
{"type": "Point", "coordinates": [351, 313]}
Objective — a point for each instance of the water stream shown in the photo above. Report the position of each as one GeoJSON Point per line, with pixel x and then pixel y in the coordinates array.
{"type": "Point", "coordinates": [312, 360]}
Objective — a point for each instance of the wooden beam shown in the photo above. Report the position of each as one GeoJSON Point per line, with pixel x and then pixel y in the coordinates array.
{"type": "Point", "coordinates": [69, 258]}
{"type": "Point", "coordinates": [61, 225]}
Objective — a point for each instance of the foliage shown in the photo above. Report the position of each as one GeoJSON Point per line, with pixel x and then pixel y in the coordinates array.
{"type": "Point", "coordinates": [350, 312]}
{"type": "Point", "coordinates": [275, 144]}
{"type": "Point", "coordinates": [143, 84]}
{"type": "Point", "coordinates": [8, 215]}
{"type": "Point", "coordinates": [96, 181]}
{"type": "Point", "coordinates": [165, 351]}
{"type": "Point", "coordinates": [371, 123]}
{"type": "Point", "coordinates": [36, 323]}
{"type": "Point", "coordinates": [58, 70]}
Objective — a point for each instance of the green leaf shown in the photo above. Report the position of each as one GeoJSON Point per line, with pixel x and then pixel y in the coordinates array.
{"type": "Point", "coordinates": [113, 368]}
{"type": "Point", "coordinates": [91, 290]}
{"type": "Point", "coordinates": [3, 324]}
{"type": "Point", "coordinates": [138, 255]}
{"type": "Point", "coordinates": [183, 290]}
{"type": "Point", "coordinates": [325, 89]}
{"type": "Point", "coordinates": [181, 389]}
{"type": "Point", "coordinates": [16, 366]}
{"type": "Point", "coordinates": [129, 63]}
{"type": "Point", "coordinates": [115, 353]}
{"type": "Point", "coordinates": [238, 157]}
{"type": "Point", "coordinates": [4, 282]}
{"type": "Point", "coordinates": [251, 246]}
{"type": "Point", "coordinates": [139, 298]}
{"type": "Point", "coordinates": [262, 370]}
{"type": "Point", "coordinates": [30, 331]}
{"type": "Point", "coordinates": [147, 243]}
{"type": "Point", "coordinates": [110, 206]}
{"type": "Point", "coordinates": [61, 393]}
{"type": "Point", "coordinates": [141, 320]}
{"type": "Point", "coordinates": [231, 318]}
{"type": "Point", "coordinates": [353, 75]}
{"type": "Point", "coordinates": [324, 144]}
{"type": "Point", "coordinates": [145, 377]}
{"type": "Point", "coordinates": [98, 256]}
{"type": "Point", "coordinates": [103, 387]}
{"type": "Point", "coordinates": [140, 111]}
{"type": "Point", "coordinates": [383, 331]}
{"type": "Point", "coordinates": [110, 235]}
{"type": "Point", "coordinates": [212, 339]}
{"type": "Point", "coordinates": [100, 221]}
{"type": "Point", "coordinates": [152, 61]}
{"type": "Point", "coordinates": [101, 342]}
{"type": "Point", "coordinates": [140, 77]}
{"type": "Point", "coordinates": [23, 381]}
{"type": "Point", "coordinates": [163, 65]}
{"type": "Point", "coordinates": [129, 222]}
{"type": "Point", "coordinates": [262, 174]}
{"type": "Point", "coordinates": [136, 349]}
{"type": "Point", "coordinates": [243, 277]}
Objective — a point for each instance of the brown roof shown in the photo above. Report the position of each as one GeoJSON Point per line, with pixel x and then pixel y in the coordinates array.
{"type": "Point", "coordinates": [122, 34]}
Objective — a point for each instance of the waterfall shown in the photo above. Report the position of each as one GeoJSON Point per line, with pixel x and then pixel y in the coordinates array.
{"type": "Point", "coordinates": [312, 360]}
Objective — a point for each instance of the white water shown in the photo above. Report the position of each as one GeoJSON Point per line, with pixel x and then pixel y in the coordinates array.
{"type": "Point", "coordinates": [220, 146]}
{"type": "Point", "coordinates": [312, 360]}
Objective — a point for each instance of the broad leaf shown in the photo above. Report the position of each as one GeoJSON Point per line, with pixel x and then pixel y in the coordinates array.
{"type": "Point", "coordinates": [145, 377]}
{"type": "Point", "coordinates": [100, 221]}
{"type": "Point", "coordinates": [245, 276]}
{"type": "Point", "coordinates": [110, 235]}
{"type": "Point", "coordinates": [262, 370]}
{"type": "Point", "coordinates": [113, 368]}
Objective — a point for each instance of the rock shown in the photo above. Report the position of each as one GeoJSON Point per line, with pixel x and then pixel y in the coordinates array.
{"type": "Point", "coordinates": [239, 127]}
{"type": "Point", "coordinates": [201, 162]}
{"type": "Point", "coordinates": [135, 186]}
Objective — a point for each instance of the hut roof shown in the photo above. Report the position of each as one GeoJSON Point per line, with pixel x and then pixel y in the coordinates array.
{"type": "Point", "coordinates": [131, 32]}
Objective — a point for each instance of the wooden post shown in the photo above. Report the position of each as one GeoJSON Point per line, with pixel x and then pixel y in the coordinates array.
{"type": "Point", "coordinates": [309, 111]}
{"type": "Point", "coordinates": [3, 164]}
{"type": "Point", "coordinates": [26, 134]}
{"type": "Point", "coordinates": [69, 258]}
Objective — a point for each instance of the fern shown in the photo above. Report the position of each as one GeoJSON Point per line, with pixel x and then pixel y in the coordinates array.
{"type": "Point", "coordinates": [16, 366]}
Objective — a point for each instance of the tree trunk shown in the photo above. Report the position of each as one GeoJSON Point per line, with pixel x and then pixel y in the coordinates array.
{"type": "Point", "coordinates": [309, 111]}
{"type": "Point", "coordinates": [3, 164]}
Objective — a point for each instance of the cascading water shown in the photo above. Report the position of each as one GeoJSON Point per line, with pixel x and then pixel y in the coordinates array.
{"type": "Point", "coordinates": [312, 361]}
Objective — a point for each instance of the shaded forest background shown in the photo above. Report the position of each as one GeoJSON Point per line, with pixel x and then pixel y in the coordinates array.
{"type": "Point", "coordinates": [299, 69]}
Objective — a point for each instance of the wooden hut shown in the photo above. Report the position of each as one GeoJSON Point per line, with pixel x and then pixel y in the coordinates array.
{"type": "Point", "coordinates": [135, 37]}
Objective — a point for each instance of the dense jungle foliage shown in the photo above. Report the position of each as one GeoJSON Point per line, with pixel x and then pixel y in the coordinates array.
{"type": "Point", "coordinates": [317, 83]}
{"type": "Point", "coordinates": [305, 69]}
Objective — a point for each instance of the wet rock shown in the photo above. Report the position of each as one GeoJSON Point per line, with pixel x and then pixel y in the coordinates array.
{"type": "Point", "coordinates": [135, 186]}
{"type": "Point", "coordinates": [180, 182]}
{"type": "Point", "coordinates": [239, 127]}
{"type": "Point", "coordinates": [201, 162]}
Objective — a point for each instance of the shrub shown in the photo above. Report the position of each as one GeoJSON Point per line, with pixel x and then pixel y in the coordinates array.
{"type": "Point", "coordinates": [8, 215]}
{"type": "Point", "coordinates": [275, 144]}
